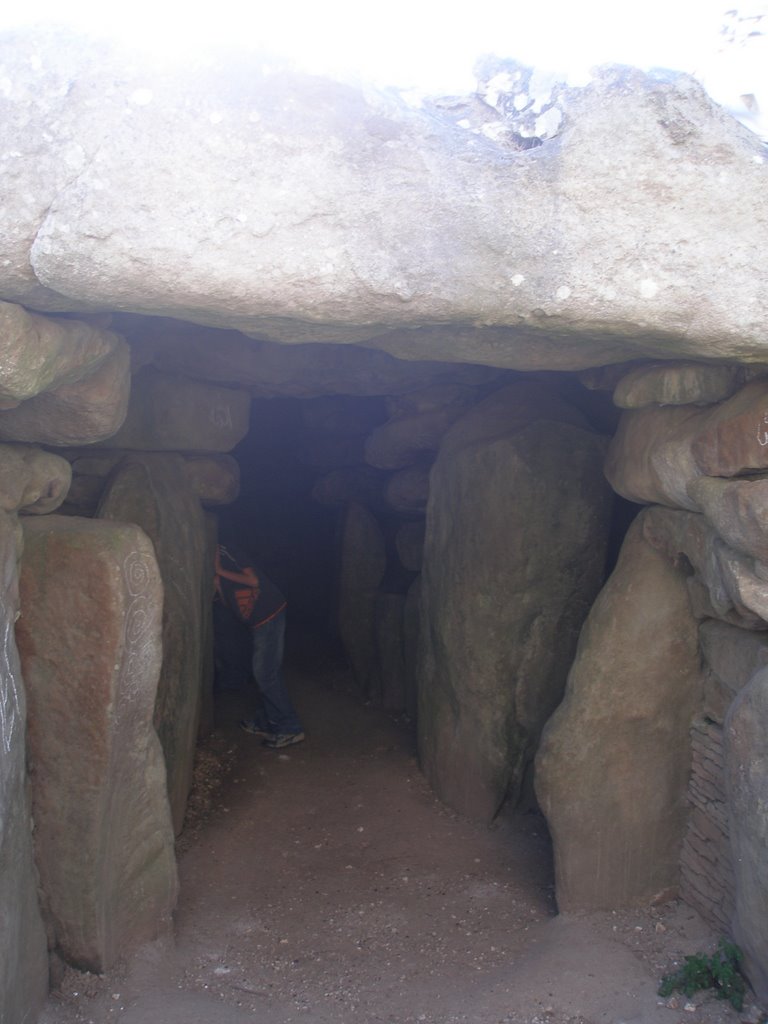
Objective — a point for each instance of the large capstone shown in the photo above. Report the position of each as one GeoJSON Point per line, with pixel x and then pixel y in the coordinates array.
{"type": "Point", "coordinates": [499, 255]}
{"type": "Point", "coordinates": [90, 643]}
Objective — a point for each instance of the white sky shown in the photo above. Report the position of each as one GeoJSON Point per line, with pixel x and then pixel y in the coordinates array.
{"type": "Point", "coordinates": [426, 44]}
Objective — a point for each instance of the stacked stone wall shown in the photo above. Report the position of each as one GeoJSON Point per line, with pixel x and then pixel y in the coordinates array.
{"type": "Point", "coordinates": [692, 444]}
{"type": "Point", "coordinates": [706, 865]}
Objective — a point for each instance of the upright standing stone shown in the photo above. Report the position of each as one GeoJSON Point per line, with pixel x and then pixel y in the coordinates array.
{"type": "Point", "coordinates": [89, 638]}
{"type": "Point", "coordinates": [23, 951]}
{"type": "Point", "coordinates": [614, 761]}
{"type": "Point", "coordinates": [153, 491]}
{"type": "Point", "coordinates": [363, 561]}
{"type": "Point", "coordinates": [389, 678]}
{"type": "Point", "coordinates": [514, 555]}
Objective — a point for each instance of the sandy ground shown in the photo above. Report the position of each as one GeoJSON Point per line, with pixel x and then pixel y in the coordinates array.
{"type": "Point", "coordinates": [325, 883]}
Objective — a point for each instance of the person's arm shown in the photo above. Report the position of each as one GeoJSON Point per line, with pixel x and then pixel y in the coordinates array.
{"type": "Point", "coordinates": [247, 577]}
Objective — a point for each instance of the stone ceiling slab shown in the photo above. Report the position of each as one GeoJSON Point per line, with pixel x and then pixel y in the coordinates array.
{"type": "Point", "coordinates": [302, 209]}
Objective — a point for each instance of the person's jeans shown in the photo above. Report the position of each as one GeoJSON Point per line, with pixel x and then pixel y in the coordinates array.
{"type": "Point", "coordinates": [278, 713]}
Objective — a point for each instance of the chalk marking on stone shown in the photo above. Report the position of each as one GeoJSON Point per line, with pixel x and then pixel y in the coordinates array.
{"type": "Point", "coordinates": [762, 433]}
{"type": "Point", "coordinates": [562, 293]}
{"type": "Point", "coordinates": [517, 280]}
{"type": "Point", "coordinates": [9, 697]}
{"type": "Point", "coordinates": [138, 618]}
{"type": "Point", "coordinates": [136, 569]}
{"type": "Point", "coordinates": [221, 417]}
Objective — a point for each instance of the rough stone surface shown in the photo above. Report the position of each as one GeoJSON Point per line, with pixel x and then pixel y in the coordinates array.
{"type": "Point", "coordinates": [88, 410]}
{"type": "Point", "coordinates": [481, 234]}
{"type": "Point", "coordinates": [738, 510]}
{"type": "Point", "coordinates": [432, 398]}
{"type": "Point", "coordinates": [514, 555]}
{"type": "Point", "coordinates": [168, 413]}
{"type": "Point", "coordinates": [650, 460]}
{"type": "Point", "coordinates": [23, 948]}
{"type": "Point", "coordinates": [215, 479]}
{"type": "Point", "coordinates": [508, 410]}
{"type": "Point", "coordinates": [401, 442]}
{"type": "Point", "coordinates": [388, 682]}
{"type": "Point", "coordinates": [747, 785]}
{"type": "Point", "coordinates": [733, 656]}
{"type": "Point", "coordinates": [707, 880]}
{"type": "Point", "coordinates": [298, 370]}
{"type": "Point", "coordinates": [659, 453]}
{"type": "Point", "coordinates": [735, 438]}
{"type": "Point", "coordinates": [408, 489]}
{"type": "Point", "coordinates": [363, 562]}
{"type": "Point", "coordinates": [32, 480]}
{"type": "Point", "coordinates": [678, 384]}
{"type": "Point", "coordinates": [152, 490]}
{"type": "Point", "coordinates": [613, 766]}
{"type": "Point", "coordinates": [38, 353]}
{"type": "Point", "coordinates": [724, 584]}
{"type": "Point", "coordinates": [91, 656]}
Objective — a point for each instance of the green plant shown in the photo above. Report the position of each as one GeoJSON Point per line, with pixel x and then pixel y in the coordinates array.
{"type": "Point", "coordinates": [720, 971]}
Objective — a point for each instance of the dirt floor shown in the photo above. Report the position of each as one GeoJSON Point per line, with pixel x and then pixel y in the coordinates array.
{"type": "Point", "coordinates": [325, 883]}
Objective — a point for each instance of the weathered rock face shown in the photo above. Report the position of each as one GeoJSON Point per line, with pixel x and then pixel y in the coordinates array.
{"type": "Point", "coordinates": [303, 371]}
{"type": "Point", "coordinates": [678, 384]}
{"type": "Point", "coordinates": [614, 760]}
{"type": "Point", "coordinates": [388, 684]}
{"type": "Point", "coordinates": [747, 780]}
{"type": "Point", "coordinates": [23, 948]}
{"type": "Point", "coordinates": [401, 442]}
{"type": "Point", "coordinates": [91, 658]}
{"type": "Point", "coordinates": [169, 413]}
{"type": "Point", "coordinates": [215, 479]}
{"type": "Point", "coordinates": [650, 459]}
{"type": "Point", "coordinates": [738, 511]}
{"type": "Point", "coordinates": [514, 555]}
{"type": "Point", "coordinates": [482, 233]}
{"type": "Point", "coordinates": [724, 584]}
{"type": "Point", "coordinates": [88, 410]}
{"type": "Point", "coordinates": [659, 453]}
{"type": "Point", "coordinates": [40, 353]}
{"type": "Point", "coordinates": [153, 491]}
{"type": "Point", "coordinates": [31, 480]}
